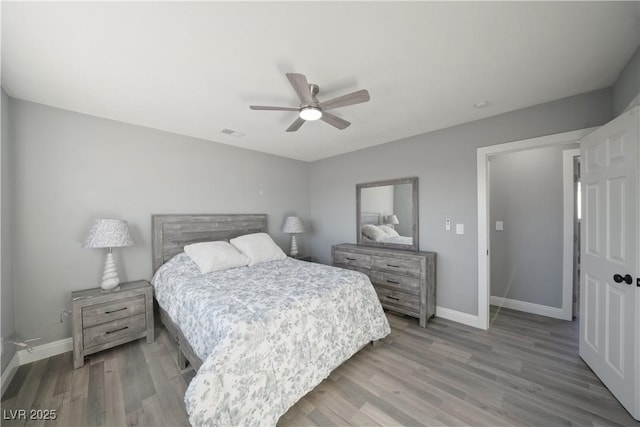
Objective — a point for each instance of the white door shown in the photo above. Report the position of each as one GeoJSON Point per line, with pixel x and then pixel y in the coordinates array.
{"type": "Point", "coordinates": [609, 282]}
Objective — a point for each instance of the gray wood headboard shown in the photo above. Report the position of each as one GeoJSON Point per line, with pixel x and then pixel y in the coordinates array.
{"type": "Point", "coordinates": [171, 233]}
{"type": "Point", "coordinates": [370, 218]}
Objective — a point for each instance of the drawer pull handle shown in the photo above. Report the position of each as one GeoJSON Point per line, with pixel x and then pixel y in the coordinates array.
{"type": "Point", "coordinates": [115, 311]}
{"type": "Point", "coordinates": [350, 259]}
{"type": "Point", "coordinates": [393, 298]}
{"type": "Point", "coordinates": [117, 330]}
{"type": "Point", "coordinates": [394, 266]}
{"type": "Point", "coordinates": [393, 281]}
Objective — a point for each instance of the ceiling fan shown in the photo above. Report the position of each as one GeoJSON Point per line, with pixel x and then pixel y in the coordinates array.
{"type": "Point", "coordinates": [312, 109]}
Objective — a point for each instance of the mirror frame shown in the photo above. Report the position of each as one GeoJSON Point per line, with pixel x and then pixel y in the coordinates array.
{"type": "Point", "coordinates": [414, 212]}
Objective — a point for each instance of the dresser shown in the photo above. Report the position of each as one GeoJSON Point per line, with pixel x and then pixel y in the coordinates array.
{"type": "Point", "coordinates": [405, 281]}
{"type": "Point", "coordinates": [103, 320]}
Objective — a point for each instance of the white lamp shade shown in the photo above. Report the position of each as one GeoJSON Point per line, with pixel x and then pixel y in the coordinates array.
{"type": "Point", "coordinates": [293, 224]}
{"type": "Point", "coordinates": [392, 219]}
{"type": "Point", "coordinates": [108, 233]}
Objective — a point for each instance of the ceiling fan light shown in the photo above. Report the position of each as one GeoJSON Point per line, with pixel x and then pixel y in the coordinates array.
{"type": "Point", "coordinates": [310, 113]}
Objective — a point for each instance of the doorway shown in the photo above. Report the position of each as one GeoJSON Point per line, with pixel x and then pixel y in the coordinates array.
{"type": "Point", "coordinates": [484, 226]}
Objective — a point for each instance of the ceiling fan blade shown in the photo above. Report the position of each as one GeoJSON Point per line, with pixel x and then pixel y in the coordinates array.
{"type": "Point", "coordinates": [334, 121]}
{"type": "Point", "coordinates": [265, 107]}
{"type": "Point", "coordinates": [301, 86]}
{"type": "Point", "coordinates": [296, 125]}
{"type": "Point", "coordinates": [356, 97]}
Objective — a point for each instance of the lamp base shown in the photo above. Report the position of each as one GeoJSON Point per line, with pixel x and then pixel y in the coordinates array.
{"type": "Point", "coordinates": [294, 247]}
{"type": "Point", "coordinates": [110, 279]}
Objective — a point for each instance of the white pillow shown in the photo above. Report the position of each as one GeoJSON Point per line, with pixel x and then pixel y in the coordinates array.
{"type": "Point", "coordinates": [390, 232]}
{"type": "Point", "coordinates": [215, 256]}
{"type": "Point", "coordinates": [373, 232]}
{"type": "Point", "coordinates": [259, 247]}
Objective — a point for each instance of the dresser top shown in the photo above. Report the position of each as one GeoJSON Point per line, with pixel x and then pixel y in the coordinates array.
{"type": "Point", "coordinates": [376, 250]}
{"type": "Point", "coordinates": [123, 288]}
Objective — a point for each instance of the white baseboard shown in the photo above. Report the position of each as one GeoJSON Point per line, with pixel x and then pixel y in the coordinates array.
{"type": "Point", "coordinates": [528, 307]}
{"type": "Point", "coordinates": [45, 350]}
{"type": "Point", "coordinates": [10, 371]}
{"type": "Point", "coordinates": [458, 316]}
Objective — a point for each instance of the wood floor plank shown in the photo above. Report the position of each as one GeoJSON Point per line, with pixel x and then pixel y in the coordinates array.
{"type": "Point", "coordinates": [113, 393]}
{"type": "Point", "coordinates": [18, 381]}
{"type": "Point", "coordinates": [44, 394]}
{"type": "Point", "coordinates": [96, 409]}
{"type": "Point", "coordinates": [154, 413]}
{"type": "Point", "coordinates": [130, 389]}
{"type": "Point", "coordinates": [79, 394]}
{"type": "Point", "coordinates": [63, 383]}
{"type": "Point", "coordinates": [28, 392]}
{"type": "Point", "coordinates": [168, 391]}
{"type": "Point", "coordinates": [523, 371]}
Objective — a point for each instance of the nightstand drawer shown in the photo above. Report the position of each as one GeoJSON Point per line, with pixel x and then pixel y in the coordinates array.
{"type": "Point", "coordinates": [115, 330]}
{"type": "Point", "coordinates": [113, 310]}
{"type": "Point", "coordinates": [407, 284]}
{"type": "Point", "coordinates": [356, 260]}
{"type": "Point", "coordinates": [396, 300]}
{"type": "Point", "coordinates": [410, 267]}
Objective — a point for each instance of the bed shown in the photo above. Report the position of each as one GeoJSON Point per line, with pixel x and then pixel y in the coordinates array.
{"type": "Point", "coordinates": [259, 337]}
{"type": "Point", "coordinates": [372, 229]}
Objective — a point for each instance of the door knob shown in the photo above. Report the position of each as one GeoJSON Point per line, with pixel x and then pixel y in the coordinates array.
{"type": "Point", "coordinates": [626, 279]}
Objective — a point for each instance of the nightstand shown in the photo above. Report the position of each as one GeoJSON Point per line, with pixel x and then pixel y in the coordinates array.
{"type": "Point", "coordinates": [104, 319]}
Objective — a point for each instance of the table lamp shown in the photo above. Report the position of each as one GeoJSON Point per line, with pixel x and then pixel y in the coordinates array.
{"type": "Point", "coordinates": [393, 220]}
{"type": "Point", "coordinates": [293, 225]}
{"type": "Point", "coordinates": [109, 233]}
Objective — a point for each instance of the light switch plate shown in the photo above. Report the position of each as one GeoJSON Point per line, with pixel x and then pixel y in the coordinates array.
{"type": "Point", "coordinates": [499, 225]}
{"type": "Point", "coordinates": [459, 228]}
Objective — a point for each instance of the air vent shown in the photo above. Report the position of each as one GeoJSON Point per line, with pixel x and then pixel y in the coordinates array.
{"type": "Point", "coordinates": [232, 132]}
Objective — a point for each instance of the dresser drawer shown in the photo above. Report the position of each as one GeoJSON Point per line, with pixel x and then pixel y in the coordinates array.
{"type": "Point", "coordinates": [112, 331]}
{"type": "Point", "coordinates": [352, 259]}
{"type": "Point", "coordinates": [396, 300]}
{"type": "Point", "coordinates": [112, 310]}
{"type": "Point", "coordinates": [396, 281]}
{"type": "Point", "coordinates": [410, 267]}
{"type": "Point", "coordinates": [404, 280]}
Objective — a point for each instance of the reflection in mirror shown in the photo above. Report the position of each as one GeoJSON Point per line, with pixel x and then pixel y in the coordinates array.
{"type": "Point", "coordinates": [387, 213]}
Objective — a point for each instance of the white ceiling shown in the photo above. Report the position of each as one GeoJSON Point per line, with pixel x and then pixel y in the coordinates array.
{"type": "Point", "coordinates": [194, 68]}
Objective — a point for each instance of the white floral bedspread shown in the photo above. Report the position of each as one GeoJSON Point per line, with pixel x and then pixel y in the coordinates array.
{"type": "Point", "coordinates": [267, 334]}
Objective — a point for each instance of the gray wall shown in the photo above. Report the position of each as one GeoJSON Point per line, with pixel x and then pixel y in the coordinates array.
{"type": "Point", "coordinates": [6, 278]}
{"type": "Point", "coordinates": [377, 199]}
{"type": "Point", "coordinates": [627, 86]}
{"type": "Point", "coordinates": [526, 193]}
{"type": "Point", "coordinates": [445, 163]}
{"type": "Point", "coordinates": [72, 168]}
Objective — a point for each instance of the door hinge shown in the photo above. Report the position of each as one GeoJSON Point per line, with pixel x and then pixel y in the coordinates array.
{"type": "Point", "coordinates": [638, 282]}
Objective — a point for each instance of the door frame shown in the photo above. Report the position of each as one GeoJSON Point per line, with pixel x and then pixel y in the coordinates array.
{"type": "Point", "coordinates": [483, 156]}
{"type": "Point", "coordinates": [568, 232]}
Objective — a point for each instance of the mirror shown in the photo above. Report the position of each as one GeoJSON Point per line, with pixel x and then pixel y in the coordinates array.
{"type": "Point", "coordinates": [387, 213]}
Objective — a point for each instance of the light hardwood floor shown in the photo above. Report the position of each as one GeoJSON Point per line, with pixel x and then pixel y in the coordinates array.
{"type": "Point", "coordinates": [523, 371]}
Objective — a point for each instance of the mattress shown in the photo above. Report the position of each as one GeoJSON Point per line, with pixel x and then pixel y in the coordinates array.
{"type": "Point", "coordinates": [267, 334]}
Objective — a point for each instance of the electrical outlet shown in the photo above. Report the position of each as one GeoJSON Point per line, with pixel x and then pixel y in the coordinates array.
{"type": "Point", "coordinates": [447, 224]}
